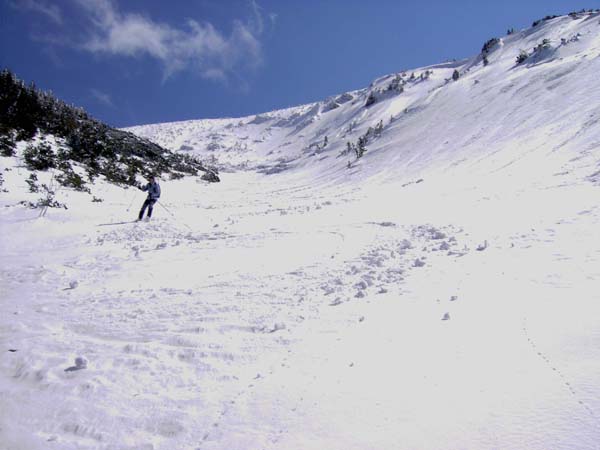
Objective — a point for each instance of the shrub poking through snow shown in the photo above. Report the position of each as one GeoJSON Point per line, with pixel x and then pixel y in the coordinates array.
{"type": "Point", "coordinates": [39, 157]}
{"type": "Point", "coordinates": [575, 38]}
{"type": "Point", "coordinates": [361, 145]}
{"type": "Point", "coordinates": [544, 45]}
{"type": "Point", "coordinates": [523, 55]}
{"type": "Point", "coordinates": [489, 45]}
{"type": "Point", "coordinates": [349, 148]}
{"type": "Point", "coordinates": [537, 22]}
{"type": "Point", "coordinates": [32, 182]}
{"type": "Point", "coordinates": [69, 178]}
{"type": "Point", "coordinates": [371, 99]}
{"type": "Point", "coordinates": [47, 201]}
{"type": "Point", "coordinates": [487, 49]}
{"type": "Point", "coordinates": [425, 75]}
{"type": "Point", "coordinates": [396, 84]}
{"type": "Point", "coordinates": [579, 14]}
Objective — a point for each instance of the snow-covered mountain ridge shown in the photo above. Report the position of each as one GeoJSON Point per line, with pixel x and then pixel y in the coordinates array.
{"type": "Point", "coordinates": [429, 121]}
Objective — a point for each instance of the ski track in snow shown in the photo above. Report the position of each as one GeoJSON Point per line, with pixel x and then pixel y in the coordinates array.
{"type": "Point", "coordinates": [198, 328]}
{"type": "Point", "coordinates": [215, 334]}
{"type": "Point", "coordinates": [558, 372]}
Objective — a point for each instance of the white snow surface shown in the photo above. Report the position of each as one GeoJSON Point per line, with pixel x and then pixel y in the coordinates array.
{"type": "Point", "coordinates": [441, 292]}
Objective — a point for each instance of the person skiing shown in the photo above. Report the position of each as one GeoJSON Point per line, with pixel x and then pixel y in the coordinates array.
{"type": "Point", "coordinates": [153, 189]}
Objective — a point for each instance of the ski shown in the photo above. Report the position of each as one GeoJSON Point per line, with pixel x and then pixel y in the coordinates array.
{"type": "Point", "coordinates": [117, 223]}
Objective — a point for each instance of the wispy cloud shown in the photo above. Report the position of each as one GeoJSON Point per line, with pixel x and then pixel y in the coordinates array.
{"type": "Point", "coordinates": [50, 11]}
{"type": "Point", "coordinates": [257, 19]}
{"type": "Point", "coordinates": [197, 45]}
{"type": "Point", "coordinates": [104, 29]}
{"type": "Point", "coordinates": [102, 97]}
{"type": "Point", "coordinates": [273, 18]}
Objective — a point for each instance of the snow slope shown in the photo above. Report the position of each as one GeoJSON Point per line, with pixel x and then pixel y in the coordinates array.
{"type": "Point", "coordinates": [438, 293]}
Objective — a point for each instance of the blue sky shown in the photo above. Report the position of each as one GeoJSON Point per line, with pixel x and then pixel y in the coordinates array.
{"type": "Point", "coordinates": [134, 62]}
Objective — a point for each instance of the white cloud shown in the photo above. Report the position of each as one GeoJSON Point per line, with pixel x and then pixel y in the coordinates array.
{"type": "Point", "coordinates": [199, 46]}
{"type": "Point", "coordinates": [51, 12]}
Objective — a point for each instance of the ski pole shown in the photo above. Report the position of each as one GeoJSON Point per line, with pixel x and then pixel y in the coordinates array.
{"type": "Point", "coordinates": [173, 215]}
{"type": "Point", "coordinates": [131, 202]}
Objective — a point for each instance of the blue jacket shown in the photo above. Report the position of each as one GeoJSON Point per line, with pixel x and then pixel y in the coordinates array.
{"type": "Point", "coordinates": [153, 190]}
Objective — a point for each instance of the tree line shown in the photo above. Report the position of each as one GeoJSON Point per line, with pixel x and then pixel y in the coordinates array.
{"type": "Point", "coordinates": [119, 156]}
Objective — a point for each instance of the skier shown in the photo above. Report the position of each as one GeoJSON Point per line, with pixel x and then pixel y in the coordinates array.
{"type": "Point", "coordinates": [153, 189]}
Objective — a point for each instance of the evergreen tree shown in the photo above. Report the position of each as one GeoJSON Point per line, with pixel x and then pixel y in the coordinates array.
{"type": "Point", "coordinates": [7, 141]}
{"type": "Point", "coordinates": [350, 147]}
{"type": "Point", "coordinates": [396, 84]}
{"type": "Point", "coordinates": [361, 147]}
{"type": "Point", "coordinates": [523, 55]}
{"type": "Point", "coordinates": [489, 45]}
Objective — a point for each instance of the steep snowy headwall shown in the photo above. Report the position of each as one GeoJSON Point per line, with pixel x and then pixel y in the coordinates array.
{"type": "Point", "coordinates": [482, 114]}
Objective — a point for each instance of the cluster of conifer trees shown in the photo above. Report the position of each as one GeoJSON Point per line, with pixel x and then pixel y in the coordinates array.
{"type": "Point", "coordinates": [120, 156]}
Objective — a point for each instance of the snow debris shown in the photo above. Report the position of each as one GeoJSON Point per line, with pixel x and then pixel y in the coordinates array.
{"type": "Point", "coordinates": [419, 262]}
{"type": "Point", "coordinates": [80, 363]}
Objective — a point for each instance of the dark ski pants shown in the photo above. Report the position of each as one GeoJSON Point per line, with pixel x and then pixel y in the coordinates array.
{"type": "Point", "coordinates": [149, 203]}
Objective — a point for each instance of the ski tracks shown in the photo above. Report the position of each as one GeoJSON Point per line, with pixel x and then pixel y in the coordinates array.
{"type": "Point", "coordinates": [205, 339]}
{"type": "Point", "coordinates": [380, 267]}
{"type": "Point", "coordinates": [557, 371]}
